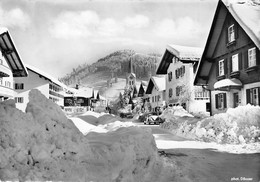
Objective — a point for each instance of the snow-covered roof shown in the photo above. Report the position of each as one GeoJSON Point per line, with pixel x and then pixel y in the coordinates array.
{"type": "Point", "coordinates": [144, 83]}
{"type": "Point", "coordinates": [81, 92]}
{"type": "Point", "coordinates": [185, 52]}
{"type": "Point", "coordinates": [11, 54]}
{"type": "Point", "coordinates": [158, 82]}
{"type": "Point", "coordinates": [133, 74]}
{"type": "Point", "coordinates": [247, 14]}
{"type": "Point", "coordinates": [45, 75]}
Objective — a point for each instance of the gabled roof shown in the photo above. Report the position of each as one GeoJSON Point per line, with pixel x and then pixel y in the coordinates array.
{"type": "Point", "coordinates": [132, 74]}
{"type": "Point", "coordinates": [158, 82]}
{"type": "Point", "coordinates": [11, 54]}
{"type": "Point", "coordinates": [246, 14]}
{"type": "Point", "coordinates": [45, 75]}
{"type": "Point", "coordinates": [185, 54]}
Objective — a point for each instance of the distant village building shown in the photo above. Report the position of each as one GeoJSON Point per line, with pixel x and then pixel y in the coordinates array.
{"type": "Point", "coordinates": [11, 65]}
{"type": "Point", "coordinates": [156, 91]}
{"type": "Point", "coordinates": [82, 99]}
{"type": "Point", "coordinates": [37, 79]}
{"type": "Point", "coordinates": [180, 63]}
{"type": "Point", "coordinates": [131, 80]}
{"type": "Point", "coordinates": [78, 100]}
{"type": "Point", "coordinates": [230, 63]}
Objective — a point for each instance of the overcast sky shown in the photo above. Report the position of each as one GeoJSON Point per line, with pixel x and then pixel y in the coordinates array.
{"type": "Point", "coordinates": [58, 35]}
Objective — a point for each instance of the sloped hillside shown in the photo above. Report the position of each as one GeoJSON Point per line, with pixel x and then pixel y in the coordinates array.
{"type": "Point", "coordinates": [114, 65]}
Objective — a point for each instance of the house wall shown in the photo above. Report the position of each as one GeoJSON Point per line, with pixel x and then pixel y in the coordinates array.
{"type": "Point", "coordinates": [6, 83]}
{"type": "Point", "coordinates": [192, 105]}
{"type": "Point", "coordinates": [33, 81]}
{"type": "Point", "coordinates": [154, 102]}
{"type": "Point", "coordinates": [225, 50]}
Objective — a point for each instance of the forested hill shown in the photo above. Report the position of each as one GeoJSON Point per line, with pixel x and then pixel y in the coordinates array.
{"type": "Point", "coordinates": [116, 64]}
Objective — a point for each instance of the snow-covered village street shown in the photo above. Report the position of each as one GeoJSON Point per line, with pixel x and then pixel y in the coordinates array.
{"type": "Point", "coordinates": [129, 90]}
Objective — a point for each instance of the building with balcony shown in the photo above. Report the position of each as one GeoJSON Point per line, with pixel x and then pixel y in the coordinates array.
{"type": "Point", "coordinates": [230, 63]}
{"type": "Point", "coordinates": [11, 65]}
{"type": "Point", "coordinates": [180, 63]}
{"type": "Point", "coordinates": [37, 79]}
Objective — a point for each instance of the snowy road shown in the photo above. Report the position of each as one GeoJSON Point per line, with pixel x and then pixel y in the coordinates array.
{"type": "Point", "coordinates": [202, 161]}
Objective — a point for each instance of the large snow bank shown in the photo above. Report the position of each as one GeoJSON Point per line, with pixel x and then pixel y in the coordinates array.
{"type": "Point", "coordinates": [237, 125]}
{"type": "Point", "coordinates": [43, 144]}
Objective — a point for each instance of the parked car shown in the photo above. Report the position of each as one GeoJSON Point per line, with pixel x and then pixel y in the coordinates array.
{"type": "Point", "coordinates": [153, 119]}
{"type": "Point", "coordinates": [126, 115]}
{"type": "Point", "coordinates": [143, 117]}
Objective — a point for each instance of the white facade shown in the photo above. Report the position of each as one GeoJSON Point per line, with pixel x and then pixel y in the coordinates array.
{"type": "Point", "coordinates": [231, 101]}
{"type": "Point", "coordinates": [156, 92]}
{"type": "Point", "coordinates": [157, 98]}
{"type": "Point", "coordinates": [183, 91]}
{"type": "Point", "coordinates": [180, 89]}
{"type": "Point", "coordinates": [11, 65]}
{"type": "Point", "coordinates": [6, 82]}
{"type": "Point", "coordinates": [179, 64]}
{"type": "Point", "coordinates": [35, 80]}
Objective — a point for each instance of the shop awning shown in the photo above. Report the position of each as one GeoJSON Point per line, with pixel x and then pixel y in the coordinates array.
{"type": "Point", "coordinates": [228, 84]}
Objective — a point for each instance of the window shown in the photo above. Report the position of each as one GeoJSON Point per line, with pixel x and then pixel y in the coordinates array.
{"type": "Point", "coordinates": [221, 67]}
{"type": "Point", "coordinates": [253, 96]}
{"type": "Point", "coordinates": [18, 99]}
{"type": "Point", "coordinates": [221, 101]}
{"type": "Point", "coordinates": [178, 90]}
{"type": "Point", "coordinates": [1, 81]}
{"type": "Point", "coordinates": [170, 92]}
{"type": "Point", "coordinates": [235, 63]}
{"type": "Point", "coordinates": [231, 33]}
{"type": "Point", "coordinates": [8, 84]}
{"type": "Point", "coordinates": [19, 86]}
{"type": "Point", "coordinates": [252, 57]}
{"type": "Point", "coordinates": [169, 76]}
{"type": "Point", "coordinates": [180, 72]}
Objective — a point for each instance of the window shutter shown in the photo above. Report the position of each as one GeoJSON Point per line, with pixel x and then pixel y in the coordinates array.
{"type": "Point", "coordinates": [246, 59]}
{"type": "Point", "coordinates": [225, 67]}
{"type": "Point", "coordinates": [230, 63]}
{"type": "Point", "coordinates": [216, 100]}
{"type": "Point", "coordinates": [225, 100]}
{"type": "Point", "coordinates": [217, 67]}
{"type": "Point", "coordinates": [183, 69]}
{"type": "Point", "coordinates": [240, 67]}
{"type": "Point", "coordinates": [226, 35]}
{"type": "Point", "coordinates": [176, 74]}
{"type": "Point", "coordinates": [247, 96]}
{"type": "Point", "coordinates": [236, 31]}
{"type": "Point", "coordinates": [257, 56]}
{"type": "Point", "coordinates": [259, 96]}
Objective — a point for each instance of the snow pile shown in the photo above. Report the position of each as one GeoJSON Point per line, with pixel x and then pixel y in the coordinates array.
{"type": "Point", "coordinates": [91, 113]}
{"type": "Point", "coordinates": [84, 127]}
{"type": "Point", "coordinates": [96, 119]}
{"type": "Point", "coordinates": [172, 112]}
{"type": "Point", "coordinates": [43, 144]}
{"type": "Point", "coordinates": [116, 125]}
{"type": "Point", "coordinates": [237, 125]}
